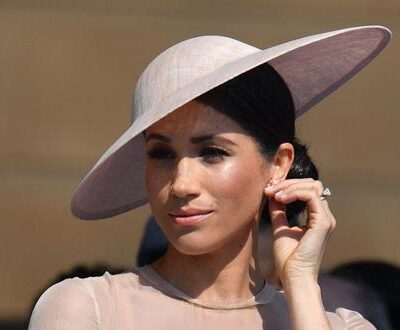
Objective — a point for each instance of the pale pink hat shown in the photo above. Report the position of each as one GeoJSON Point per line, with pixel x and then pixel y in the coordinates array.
{"type": "Point", "coordinates": [312, 68]}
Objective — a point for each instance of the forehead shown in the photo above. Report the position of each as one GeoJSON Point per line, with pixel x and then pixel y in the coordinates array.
{"type": "Point", "coordinates": [196, 118]}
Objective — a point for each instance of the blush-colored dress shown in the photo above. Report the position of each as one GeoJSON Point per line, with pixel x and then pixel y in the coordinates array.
{"type": "Point", "coordinates": [141, 299]}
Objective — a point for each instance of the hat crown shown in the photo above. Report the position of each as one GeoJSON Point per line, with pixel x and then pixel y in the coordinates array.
{"type": "Point", "coordinates": [182, 64]}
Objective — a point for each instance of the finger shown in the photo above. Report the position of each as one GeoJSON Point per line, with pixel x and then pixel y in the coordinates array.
{"type": "Point", "coordinates": [273, 188]}
{"type": "Point", "coordinates": [307, 195]}
{"type": "Point", "coordinates": [317, 216]}
{"type": "Point", "coordinates": [277, 212]}
{"type": "Point", "coordinates": [284, 194]}
{"type": "Point", "coordinates": [308, 191]}
{"type": "Point", "coordinates": [325, 205]}
{"type": "Point", "coordinates": [315, 185]}
{"type": "Point", "coordinates": [331, 217]}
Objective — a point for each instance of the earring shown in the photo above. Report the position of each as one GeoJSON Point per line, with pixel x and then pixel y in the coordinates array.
{"type": "Point", "coordinates": [272, 182]}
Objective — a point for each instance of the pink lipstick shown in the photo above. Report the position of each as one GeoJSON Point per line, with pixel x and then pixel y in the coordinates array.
{"type": "Point", "coordinates": [189, 216]}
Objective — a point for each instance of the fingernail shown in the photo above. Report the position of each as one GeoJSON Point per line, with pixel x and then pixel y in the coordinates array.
{"type": "Point", "coordinates": [268, 188]}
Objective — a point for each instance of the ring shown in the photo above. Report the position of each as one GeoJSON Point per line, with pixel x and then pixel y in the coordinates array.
{"type": "Point", "coordinates": [325, 194]}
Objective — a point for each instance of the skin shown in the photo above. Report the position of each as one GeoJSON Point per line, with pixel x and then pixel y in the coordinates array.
{"type": "Point", "coordinates": [225, 177]}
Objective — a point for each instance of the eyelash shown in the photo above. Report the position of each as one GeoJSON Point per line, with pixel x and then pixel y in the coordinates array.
{"type": "Point", "coordinates": [213, 153]}
{"type": "Point", "coordinates": [209, 154]}
{"type": "Point", "coordinates": [160, 153]}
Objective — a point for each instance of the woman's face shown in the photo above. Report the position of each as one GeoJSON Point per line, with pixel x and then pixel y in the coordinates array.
{"type": "Point", "coordinates": [205, 178]}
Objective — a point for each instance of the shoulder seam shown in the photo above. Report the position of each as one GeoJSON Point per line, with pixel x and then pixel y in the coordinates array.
{"type": "Point", "coordinates": [90, 291]}
{"type": "Point", "coordinates": [114, 294]}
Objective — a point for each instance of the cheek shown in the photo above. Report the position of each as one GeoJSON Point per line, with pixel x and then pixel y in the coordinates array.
{"type": "Point", "coordinates": [156, 181]}
{"type": "Point", "coordinates": [238, 182]}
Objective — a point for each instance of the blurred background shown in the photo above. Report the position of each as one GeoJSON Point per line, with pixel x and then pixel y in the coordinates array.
{"type": "Point", "coordinates": [67, 71]}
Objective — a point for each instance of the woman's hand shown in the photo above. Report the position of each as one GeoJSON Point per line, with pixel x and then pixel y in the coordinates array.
{"type": "Point", "coordinates": [298, 250]}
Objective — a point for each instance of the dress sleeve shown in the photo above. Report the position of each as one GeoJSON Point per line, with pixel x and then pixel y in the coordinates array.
{"type": "Point", "coordinates": [347, 319]}
{"type": "Point", "coordinates": [65, 305]}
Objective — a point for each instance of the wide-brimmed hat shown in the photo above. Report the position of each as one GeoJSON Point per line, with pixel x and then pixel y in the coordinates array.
{"type": "Point", "coordinates": [312, 68]}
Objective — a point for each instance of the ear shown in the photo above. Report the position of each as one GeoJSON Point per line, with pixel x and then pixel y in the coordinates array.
{"type": "Point", "coordinates": [282, 162]}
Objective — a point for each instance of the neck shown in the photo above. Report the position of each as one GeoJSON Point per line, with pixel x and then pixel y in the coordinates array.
{"type": "Point", "coordinates": [228, 274]}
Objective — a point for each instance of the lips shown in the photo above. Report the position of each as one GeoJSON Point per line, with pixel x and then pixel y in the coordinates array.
{"type": "Point", "coordinates": [189, 216]}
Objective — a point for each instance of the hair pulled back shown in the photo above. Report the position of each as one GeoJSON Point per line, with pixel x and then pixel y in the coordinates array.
{"type": "Point", "coordinates": [260, 102]}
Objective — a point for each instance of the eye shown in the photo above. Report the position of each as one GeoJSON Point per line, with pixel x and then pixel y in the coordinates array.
{"type": "Point", "coordinates": [213, 154]}
{"type": "Point", "coordinates": [160, 153]}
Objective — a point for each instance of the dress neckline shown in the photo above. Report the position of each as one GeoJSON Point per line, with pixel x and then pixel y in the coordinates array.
{"type": "Point", "coordinates": [264, 296]}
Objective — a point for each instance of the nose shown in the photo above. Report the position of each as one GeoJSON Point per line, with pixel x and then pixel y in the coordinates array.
{"type": "Point", "coordinates": [185, 182]}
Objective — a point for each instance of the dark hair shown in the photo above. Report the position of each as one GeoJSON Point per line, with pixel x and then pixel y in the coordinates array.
{"type": "Point", "coordinates": [261, 103]}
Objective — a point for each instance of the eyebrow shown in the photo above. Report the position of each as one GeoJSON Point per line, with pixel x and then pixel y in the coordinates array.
{"type": "Point", "coordinates": [206, 138]}
{"type": "Point", "coordinates": [194, 140]}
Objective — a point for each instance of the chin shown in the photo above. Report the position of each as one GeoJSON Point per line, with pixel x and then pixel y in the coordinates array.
{"type": "Point", "coordinates": [193, 244]}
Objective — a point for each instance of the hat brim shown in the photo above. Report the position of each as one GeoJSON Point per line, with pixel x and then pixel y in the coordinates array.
{"type": "Point", "coordinates": [312, 68]}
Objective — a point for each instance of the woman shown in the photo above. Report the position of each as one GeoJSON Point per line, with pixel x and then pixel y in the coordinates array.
{"type": "Point", "coordinates": [212, 147]}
